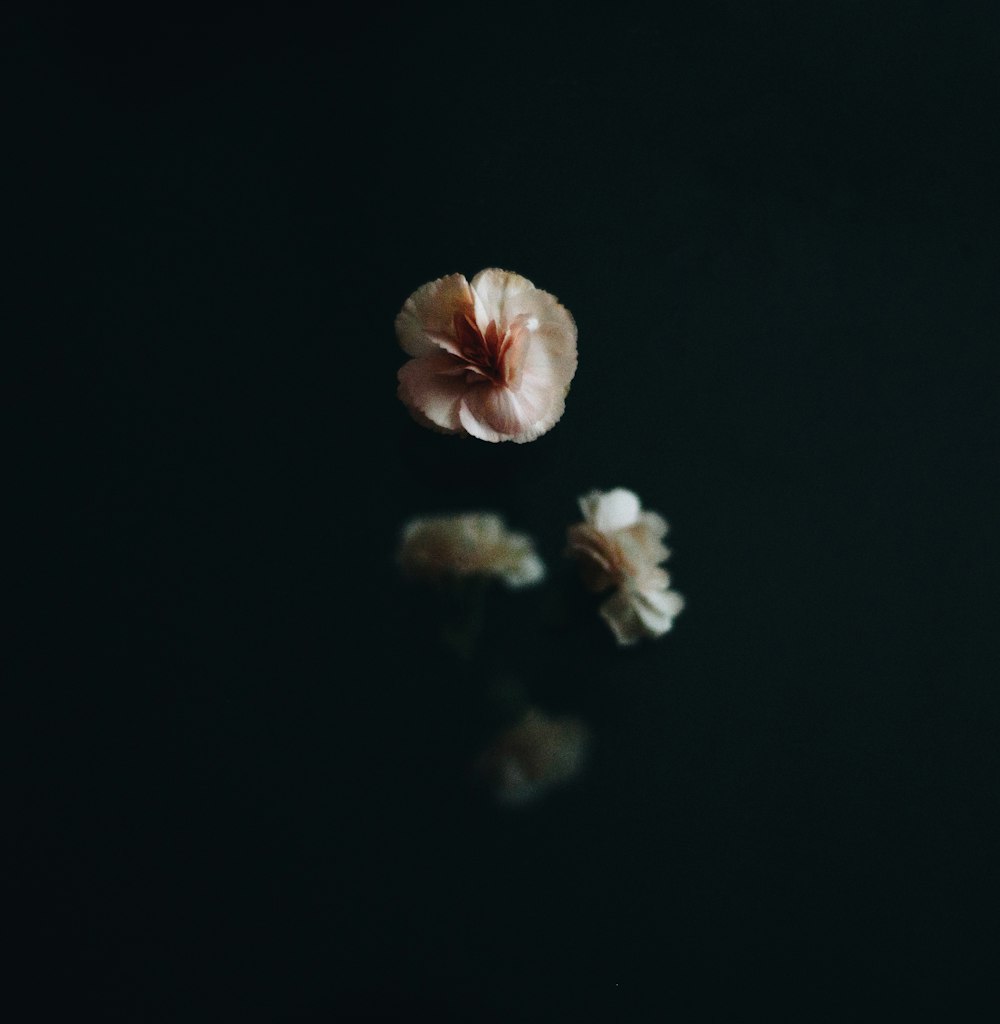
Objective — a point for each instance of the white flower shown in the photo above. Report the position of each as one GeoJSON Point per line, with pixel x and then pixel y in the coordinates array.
{"type": "Point", "coordinates": [621, 546]}
{"type": "Point", "coordinates": [528, 759]}
{"type": "Point", "coordinates": [492, 358]}
{"type": "Point", "coordinates": [468, 544]}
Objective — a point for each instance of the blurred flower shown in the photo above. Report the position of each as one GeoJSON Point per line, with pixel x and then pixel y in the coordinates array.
{"type": "Point", "coordinates": [468, 544]}
{"type": "Point", "coordinates": [529, 758]}
{"type": "Point", "coordinates": [619, 545]}
{"type": "Point", "coordinates": [492, 358]}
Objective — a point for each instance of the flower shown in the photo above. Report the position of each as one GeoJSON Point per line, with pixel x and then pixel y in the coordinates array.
{"type": "Point", "coordinates": [619, 545]}
{"type": "Point", "coordinates": [468, 544]}
{"type": "Point", "coordinates": [492, 358]}
{"type": "Point", "coordinates": [531, 757]}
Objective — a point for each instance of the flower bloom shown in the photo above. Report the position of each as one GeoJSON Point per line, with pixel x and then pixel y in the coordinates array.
{"type": "Point", "coordinates": [468, 544]}
{"type": "Point", "coordinates": [531, 757]}
{"type": "Point", "coordinates": [621, 546]}
{"type": "Point", "coordinates": [492, 358]}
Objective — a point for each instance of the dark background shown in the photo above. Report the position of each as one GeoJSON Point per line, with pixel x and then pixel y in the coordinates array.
{"type": "Point", "coordinates": [243, 790]}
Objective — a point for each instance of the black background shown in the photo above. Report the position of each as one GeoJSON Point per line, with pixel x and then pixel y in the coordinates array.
{"type": "Point", "coordinates": [244, 790]}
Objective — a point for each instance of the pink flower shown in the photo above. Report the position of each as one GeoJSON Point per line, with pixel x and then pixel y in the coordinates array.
{"type": "Point", "coordinates": [620, 546]}
{"type": "Point", "coordinates": [468, 544]}
{"type": "Point", "coordinates": [492, 358]}
{"type": "Point", "coordinates": [526, 760]}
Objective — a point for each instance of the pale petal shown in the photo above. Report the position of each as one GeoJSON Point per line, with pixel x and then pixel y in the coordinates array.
{"type": "Point", "coordinates": [588, 506]}
{"type": "Point", "coordinates": [654, 524]}
{"type": "Point", "coordinates": [483, 528]}
{"type": "Point", "coordinates": [657, 609]}
{"type": "Point", "coordinates": [640, 547]}
{"type": "Point", "coordinates": [526, 411]}
{"type": "Point", "coordinates": [499, 414]}
{"type": "Point", "coordinates": [504, 295]}
{"type": "Point", "coordinates": [551, 415]}
{"type": "Point", "coordinates": [545, 350]}
{"type": "Point", "coordinates": [549, 407]}
{"type": "Point", "coordinates": [514, 349]}
{"type": "Point", "coordinates": [552, 354]}
{"type": "Point", "coordinates": [620, 614]}
{"type": "Point", "coordinates": [650, 577]}
{"type": "Point", "coordinates": [425, 323]}
{"type": "Point", "coordinates": [471, 421]}
{"type": "Point", "coordinates": [499, 295]}
{"type": "Point", "coordinates": [548, 317]}
{"type": "Point", "coordinates": [528, 570]}
{"type": "Point", "coordinates": [538, 403]}
{"type": "Point", "coordinates": [612, 510]}
{"type": "Point", "coordinates": [633, 614]}
{"type": "Point", "coordinates": [432, 387]}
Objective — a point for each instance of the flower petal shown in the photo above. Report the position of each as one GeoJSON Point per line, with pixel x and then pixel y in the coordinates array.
{"type": "Point", "coordinates": [552, 353]}
{"type": "Point", "coordinates": [657, 609]}
{"type": "Point", "coordinates": [620, 614]}
{"type": "Point", "coordinates": [633, 614]}
{"type": "Point", "coordinates": [528, 570]}
{"type": "Point", "coordinates": [432, 387]}
{"type": "Point", "coordinates": [425, 323]}
{"type": "Point", "coordinates": [548, 317]}
{"type": "Point", "coordinates": [500, 414]}
{"type": "Point", "coordinates": [472, 419]}
{"type": "Point", "coordinates": [640, 546]}
{"type": "Point", "coordinates": [542, 385]}
{"type": "Point", "coordinates": [498, 296]}
{"type": "Point", "coordinates": [612, 510]}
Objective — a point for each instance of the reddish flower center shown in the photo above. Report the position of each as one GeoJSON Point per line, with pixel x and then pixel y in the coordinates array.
{"type": "Point", "coordinates": [487, 355]}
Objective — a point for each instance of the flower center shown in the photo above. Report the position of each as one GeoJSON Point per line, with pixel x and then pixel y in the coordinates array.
{"type": "Point", "coordinates": [602, 560]}
{"type": "Point", "coordinates": [488, 355]}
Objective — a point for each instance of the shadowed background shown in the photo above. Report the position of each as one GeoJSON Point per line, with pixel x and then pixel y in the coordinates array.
{"type": "Point", "coordinates": [245, 790]}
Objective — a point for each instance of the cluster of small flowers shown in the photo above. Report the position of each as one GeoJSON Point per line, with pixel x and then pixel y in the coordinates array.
{"type": "Point", "coordinates": [493, 359]}
{"type": "Point", "coordinates": [618, 548]}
